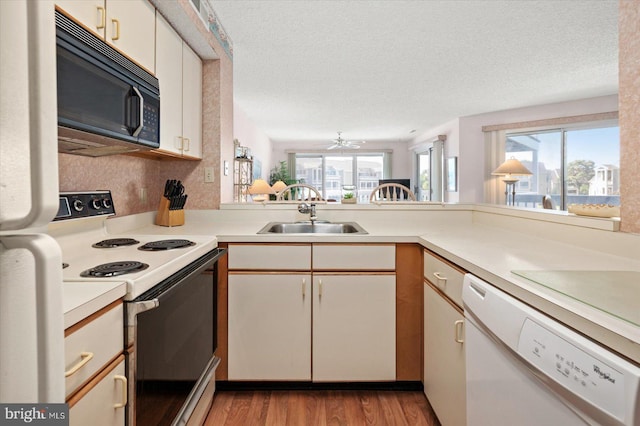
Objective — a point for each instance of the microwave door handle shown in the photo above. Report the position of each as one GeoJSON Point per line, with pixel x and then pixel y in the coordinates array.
{"type": "Point", "coordinates": [138, 129]}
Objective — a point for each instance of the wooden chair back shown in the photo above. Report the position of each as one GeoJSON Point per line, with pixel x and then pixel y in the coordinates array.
{"type": "Point", "coordinates": [391, 192]}
{"type": "Point", "coordinates": [299, 192]}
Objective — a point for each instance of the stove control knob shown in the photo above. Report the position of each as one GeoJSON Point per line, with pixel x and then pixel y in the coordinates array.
{"type": "Point", "coordinates": [95, 203]}
{"type": "Point", "coordinates": [106, 203]}
{"type": "Point", "coordinates": [78, 205]}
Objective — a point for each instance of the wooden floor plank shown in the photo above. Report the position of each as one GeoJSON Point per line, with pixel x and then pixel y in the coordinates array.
{"type": "Point", "coordinates": [277, 411]}
{"type": "Point", "coordinates": [320, 408]}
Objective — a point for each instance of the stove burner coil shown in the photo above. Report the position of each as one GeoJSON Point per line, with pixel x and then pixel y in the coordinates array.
{"type": "Point", "coordinates": [115, 242]}
{"type": "Point", "coordinates": [114, 269]}
{"type": "Point", "coordinates": [166, 245]}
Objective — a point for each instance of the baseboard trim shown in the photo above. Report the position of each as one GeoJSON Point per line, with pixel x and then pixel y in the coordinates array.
{"type": "Point", "coordinates": [275, 385]}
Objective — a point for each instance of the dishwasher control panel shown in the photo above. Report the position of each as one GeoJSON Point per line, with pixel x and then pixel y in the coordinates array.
{"type": "Point", "coordinates": [574, 368]}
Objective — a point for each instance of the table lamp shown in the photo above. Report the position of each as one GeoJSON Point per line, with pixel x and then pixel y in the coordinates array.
{"type": "Point", "coordinates": [509, 169]}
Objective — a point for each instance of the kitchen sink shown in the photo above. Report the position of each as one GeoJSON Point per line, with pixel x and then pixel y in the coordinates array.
{"type": "Point", "coordinates": [317, 227]}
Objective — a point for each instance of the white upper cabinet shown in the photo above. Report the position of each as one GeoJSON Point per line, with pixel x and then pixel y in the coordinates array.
{"type": "Point", "coordinates": [128, 25]}
{"type": "Point", "coordinates": [179, 71]}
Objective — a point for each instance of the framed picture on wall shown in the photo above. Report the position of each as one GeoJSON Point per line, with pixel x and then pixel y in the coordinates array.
{"type": "Point", "coordinates": [452, 174]}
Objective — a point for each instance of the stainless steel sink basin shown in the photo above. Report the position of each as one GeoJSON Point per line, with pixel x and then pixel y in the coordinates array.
{"type": "Point", "coordinates": [318, 227]}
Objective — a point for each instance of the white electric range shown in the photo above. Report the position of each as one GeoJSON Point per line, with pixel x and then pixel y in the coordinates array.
{"type": "Point", "coordinates": [78, 236]}
{"type": "Point", "coordinates": [170, 304]}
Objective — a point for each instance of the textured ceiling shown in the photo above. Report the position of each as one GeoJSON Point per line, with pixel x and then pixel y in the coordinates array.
{"type": "Point", "coordinates": [378, 69]}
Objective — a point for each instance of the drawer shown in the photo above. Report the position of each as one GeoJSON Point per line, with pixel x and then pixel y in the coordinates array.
{"type": "Point", "coordinates": [445, 276]}
{"type": "Point", "coordinates": [90, 345]}
{"type": "Point", "coordinates": [354, 257]}
{"type": "Point", "coordinates": [280, 257]}
{"type": "Point", "coordinates": [103, 401]}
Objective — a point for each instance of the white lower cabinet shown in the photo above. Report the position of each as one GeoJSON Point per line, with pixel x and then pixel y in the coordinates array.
{"type": "Point", "coordinates": [354, 327]}
{"type": "Point", "coordinates": [269, 326]}
{"type": "Point", "coordinates": [104, 403]}
{"type": "Point", "coordinates": [444, 359]}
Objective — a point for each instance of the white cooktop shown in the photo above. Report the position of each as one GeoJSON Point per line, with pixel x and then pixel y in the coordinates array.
{"type": "Point", "coordinates": [78, 253]}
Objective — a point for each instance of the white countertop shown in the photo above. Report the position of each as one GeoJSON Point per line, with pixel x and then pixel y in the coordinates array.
{"type": "Point", "coordinates": [488, 242]}
{"type": "Point", "coordinates": [81, 299]}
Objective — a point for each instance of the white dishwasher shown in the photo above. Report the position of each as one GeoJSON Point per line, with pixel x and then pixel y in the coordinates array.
{"type": "Point", "coordinates": [523, 368]}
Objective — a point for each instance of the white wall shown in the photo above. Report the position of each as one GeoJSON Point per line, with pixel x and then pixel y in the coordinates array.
{"type": "Point", "coordinates": [250, 136]}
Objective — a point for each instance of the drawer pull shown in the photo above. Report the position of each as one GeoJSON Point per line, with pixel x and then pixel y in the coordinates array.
{"type": "Point", "coordinates": [439, 277]}
{"type": "Point", "coordinates": [459, 327]}
{"type": "Point", "coordinates": [86, 357]}
{"type": "Point", "coordinates": [102, 18]}
{"type": "Point", "coordinates": [116, 29]}
{"type": "Point", "coordinates": [123, 402]}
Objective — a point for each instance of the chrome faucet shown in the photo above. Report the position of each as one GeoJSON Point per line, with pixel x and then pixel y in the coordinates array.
{"type": "Point", "coordinates": [305, 208]}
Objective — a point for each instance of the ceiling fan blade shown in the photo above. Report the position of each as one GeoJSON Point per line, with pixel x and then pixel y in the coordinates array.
{"type": "Point", "coordinates": [333, 147]}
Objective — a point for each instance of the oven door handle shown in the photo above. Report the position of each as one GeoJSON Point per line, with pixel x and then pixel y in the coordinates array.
{"type": "Point", "coordinates": [140, 307]}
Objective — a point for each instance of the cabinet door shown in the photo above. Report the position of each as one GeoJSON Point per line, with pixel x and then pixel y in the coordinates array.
{"type": "Point", "coordinates": [105, 400]}
{"type": "Point", "coordinates": [169, 73]}
{"type": "Point", "coordinates": [191, 103]}
{"type": "Point", "coordinates": [444, 360]}
{"type": "Point", "coordinates": [131, 27]}
{"type": "Point", "coordinates": [354, 327]}
{"type": "Point", "coordinates": [90, 13]}
{"type": "Point", "coordinates": [269, 327]}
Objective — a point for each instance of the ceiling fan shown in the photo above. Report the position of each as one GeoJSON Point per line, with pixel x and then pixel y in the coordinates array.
{"type": "Point", "coordinates": [340, 143]}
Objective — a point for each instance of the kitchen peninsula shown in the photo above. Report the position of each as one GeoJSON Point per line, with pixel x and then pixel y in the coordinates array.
{"type": "Point", "coordinates": [487, 241]}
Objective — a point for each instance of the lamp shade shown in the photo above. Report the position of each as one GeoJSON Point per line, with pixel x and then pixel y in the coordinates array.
{"type": "Point", "coordinates": [511, 167]}
{"type": "Point", "coordinates": [259, 189]}
{"type": "Point", "coordinates": [278, 186]}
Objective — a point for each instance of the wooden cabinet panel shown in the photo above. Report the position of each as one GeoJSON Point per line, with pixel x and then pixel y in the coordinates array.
{"type": "Point", "coordinates": [191, 102]}
{"type": "Point", "coordinates": [89, 346]}
{"type": "Point", "coordinates": [354, 331]}
{"type": "Point", "coordinates": [350, 257]}
{"type": "Point", "coordinates": [269, 327]}
{"type": "Point", "coordinates": [444, 276]}
{"type": "Point", "coordinates": [104, 403]}
{"type": "Point", "coordinates": [128, 25]}
{"type": "Point", "coordinates": [444, 358]}
{"type": "Point", "coordinates": [282, 257]}
{"type": "Point", "coordinates": [131, 27]}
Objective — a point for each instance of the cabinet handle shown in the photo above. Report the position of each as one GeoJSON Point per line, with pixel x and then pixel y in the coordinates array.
{"type": "Point", "coordinates": [86, 357]}
{"type": "Point", "coordinates": [319, 289]}
{"type": "Point", "coordinates": [440, 277]}
{"type": "Point", "coordinates": [304, 287]}
{"type": "Point", "coordinates": [102, 18]}
{"type": "Point", "coordinates": [116, 28]}
{"type": "Point", "coordinates": [177, 142]}
{"type": "Point", "coordinates": [188, 141]}
{"type": "Point", "coordinates": [459, 327]}
{"type": "Point", "coordinates": [123, 401]}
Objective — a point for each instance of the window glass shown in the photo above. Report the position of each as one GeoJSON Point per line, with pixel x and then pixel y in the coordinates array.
{"type": "Point", "coordinates": [579, 166]}
{"type": "Point", "coordinates": [593, 166]}
{"type": "Point", "coordinates": [330, 174]}
{"type": "Point", "coordinates": [541, 154]}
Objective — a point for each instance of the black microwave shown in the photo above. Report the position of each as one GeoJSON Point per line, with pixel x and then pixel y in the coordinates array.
{"type": "Point", "coordinates": [107, 104]}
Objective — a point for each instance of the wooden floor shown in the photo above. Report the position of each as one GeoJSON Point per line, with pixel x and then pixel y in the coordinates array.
{"type": "Point", "coordinates": [320, 407]}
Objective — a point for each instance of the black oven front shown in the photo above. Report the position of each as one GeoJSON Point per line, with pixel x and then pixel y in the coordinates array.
{"type": "Point", "coordinates": [172, 333]}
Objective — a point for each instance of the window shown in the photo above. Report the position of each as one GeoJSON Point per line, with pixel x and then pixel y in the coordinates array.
{"type": "Point", "coordinates": [580, 166]}
{"type": "Point", "coordinates": [331, 173]}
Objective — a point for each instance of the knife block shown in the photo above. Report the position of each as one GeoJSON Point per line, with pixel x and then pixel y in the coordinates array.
{"type": "Point", "coordinates": [166, 217]}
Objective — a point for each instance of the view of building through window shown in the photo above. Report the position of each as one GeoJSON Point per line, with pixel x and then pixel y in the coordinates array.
{"type": "Point", "coordinates": [579, 166]}
{"type": "Point", "coordinates": [334, 174]}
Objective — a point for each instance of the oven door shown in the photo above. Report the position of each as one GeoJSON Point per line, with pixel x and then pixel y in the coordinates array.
{"type": "Point", "coordinates": [173, 357]}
